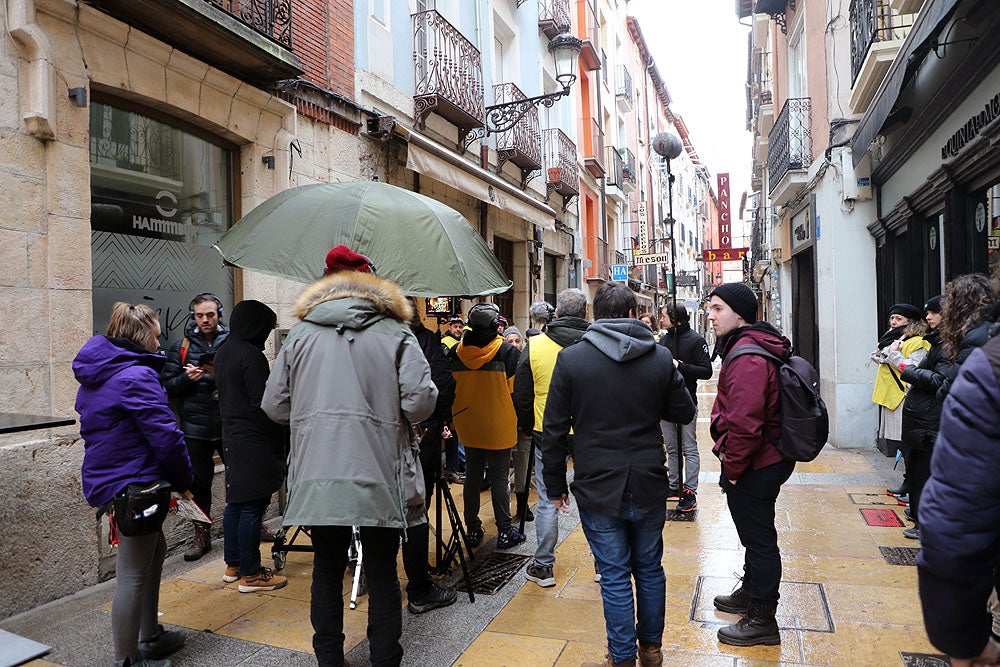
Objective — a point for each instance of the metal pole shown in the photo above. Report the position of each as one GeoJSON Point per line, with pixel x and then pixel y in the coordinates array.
{"type": "Point", "coordinates": [673, 295]}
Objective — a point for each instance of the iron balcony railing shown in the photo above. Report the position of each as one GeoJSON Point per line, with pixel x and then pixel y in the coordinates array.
{"type": "Point", "coordinates": [790, 140]}
{"type": "Point", "coordinates": [616, 168]}
{"type": "Point", "coordinates": [872, 21]}
{"type": "Point", "coordinates": [593, 146]}
{"type": "Point", "coordinates": [628, 158]}
{"type": "Point", "coordinates": [271, 18]}
{"type": "Point", "coordinates": [624, 84]}
{"type": "Point", "coordinates": [554, 16]}
{"type": "Point", "coordinates": [562, 173]}
{"type": "Point", "coordinates": [522, 143]}
{"type": "Point", "coordinates": [448, 72]}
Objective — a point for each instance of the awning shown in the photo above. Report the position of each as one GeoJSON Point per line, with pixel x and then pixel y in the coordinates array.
{"type": "Point", "coordinates": [426, 157]}
{"type": "Point", "coordinates": [929, 22]}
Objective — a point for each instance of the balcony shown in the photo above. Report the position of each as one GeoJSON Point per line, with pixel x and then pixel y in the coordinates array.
{"type": "Point", "coordinates": [554, 17]}
{"type": "Point", "coordinates": [628, 157]}
{"type": "Point", "coordinates": [562, 174]}
{"type": "Point", "coordinates": [597, 253]}
{"type": "Point", "coordinates": [615, 178]}
{"type": "Point", "coordinates": [877, 32]}
{"type": "Point", "coordinates": [789, 151]}
{"type": "Point", "coordinates": [593, 147]}
{"type": "Point", "coordinates": [521, 144]}
{"type": "Point", "coordinates": [762, 92]}
{"type": "Point", "coordinates": [448, 72]}
{"type": "Point", "coordinates": [588, 31]}
{"type": "Point", "coordinates": [624, 94]}
{"type": "Point", "coordinates": [250, 39]}
{"type": "Point", "coordinates": [907, 6]}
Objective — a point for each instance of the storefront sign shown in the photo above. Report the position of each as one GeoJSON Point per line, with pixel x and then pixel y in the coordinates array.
{"type": "Point", "coordinates": [139, 215]}
{"type": "Point", "coordinates": [723, 254]}
{"type": "Point", "coordinates": [643, 218]}
{"type": "Point", "coordinates": [725, 222]}
{"type": "Point", "coordinates": [659, 258]}
{"type": "Point", "coordinates": [972, 128]}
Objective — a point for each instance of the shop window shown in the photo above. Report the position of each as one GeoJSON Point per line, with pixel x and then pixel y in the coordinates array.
{"type": "Point", "coordinates": [160, 198]}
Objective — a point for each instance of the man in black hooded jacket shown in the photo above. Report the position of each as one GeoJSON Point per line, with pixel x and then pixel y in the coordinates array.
{"type": "Point", "coordinates": [253, 445]}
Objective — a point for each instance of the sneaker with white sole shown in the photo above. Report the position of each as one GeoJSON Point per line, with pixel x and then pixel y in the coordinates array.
{"type": "Point", "coordinates": [262, 580]}
{"type": "Point", "coordinates": [597, 573]}
{"type": "Point", "coordinates": [232, 574]}
{"type": "Point", "coordinates": [440, 596]}
{"type": "Point", "coordinates": [511, 538]}
{"type": "Point", "coordinates": [540, 574]}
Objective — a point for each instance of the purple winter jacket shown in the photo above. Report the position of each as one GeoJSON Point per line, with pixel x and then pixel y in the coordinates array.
{"type": "Point", "coordinates": [130, 434]}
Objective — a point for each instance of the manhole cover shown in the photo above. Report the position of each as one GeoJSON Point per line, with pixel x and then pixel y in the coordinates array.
{"type": "Point", "coordinates": [493, 572]}
{"type": "Point", "coordinates": [883, 518]}
{"type": "Point", "coordinates": [674, 515]}
{"type": "Point", "coordinates": [899, 555]}
{"type": "Point", "coordinates": [924, 660]}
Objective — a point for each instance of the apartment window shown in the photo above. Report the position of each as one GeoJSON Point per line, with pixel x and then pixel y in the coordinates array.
{"type": "Point", "coordinates": [380, 11]}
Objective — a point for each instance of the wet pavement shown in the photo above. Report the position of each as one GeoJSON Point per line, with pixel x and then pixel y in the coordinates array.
{"type": "Point", "coordinates": [842, 602]}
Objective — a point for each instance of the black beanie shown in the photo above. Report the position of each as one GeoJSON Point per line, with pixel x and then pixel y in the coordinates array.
{"type": "Point", "coordinates": [740, 298]}
{"type": "Point", "coordinates": [907, 310]}
{"type": "Point", "coordinates": [933, 304]}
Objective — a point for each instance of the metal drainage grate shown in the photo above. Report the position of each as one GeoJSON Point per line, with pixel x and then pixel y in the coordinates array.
{"type": "Point", "coordinates": [899, 555]}
{"type": "Point", "coordinates": [493, 572]}
{"type": "Point", "coordinates": [924, 660]}
{"type": "Point", "coordinates": [882, 518]}
{"type": "Point", "coordinates": [674, 515]}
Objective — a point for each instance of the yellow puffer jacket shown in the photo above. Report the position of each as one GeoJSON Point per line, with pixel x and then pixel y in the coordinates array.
{"type": "Point", "coordinates": [887, 392]}
{"type": "Point", "coordinates": [483, 410]}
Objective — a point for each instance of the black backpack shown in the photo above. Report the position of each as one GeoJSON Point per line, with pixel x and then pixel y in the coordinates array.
{"type": "Point", "coordinates": [805, 422]}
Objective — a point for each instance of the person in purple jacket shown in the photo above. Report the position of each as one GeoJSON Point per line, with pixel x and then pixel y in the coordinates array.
{"type": "Point", "coordinates": [131, 437]}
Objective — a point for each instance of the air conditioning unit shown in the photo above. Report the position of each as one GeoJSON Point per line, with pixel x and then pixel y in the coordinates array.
{"type": "Point", "coordinates": [856, 181]}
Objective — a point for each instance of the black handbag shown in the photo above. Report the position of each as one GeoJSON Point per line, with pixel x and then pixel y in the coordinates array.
{"type": "Point", "coordinates": [141, 509]}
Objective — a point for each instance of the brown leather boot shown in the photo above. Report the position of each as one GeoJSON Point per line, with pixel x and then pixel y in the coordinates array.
{"type": "Point", "coordinates": [650, 655]}
{"type": "Point", "coordinates": [202, 542]}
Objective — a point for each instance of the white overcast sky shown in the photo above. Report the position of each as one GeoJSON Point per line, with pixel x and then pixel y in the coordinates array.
{"type": "Point", "coordinates": [700, 49]}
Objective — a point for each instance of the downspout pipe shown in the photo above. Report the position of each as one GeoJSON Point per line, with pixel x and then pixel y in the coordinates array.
{"type": "Point", "coordinates": [38, 102]}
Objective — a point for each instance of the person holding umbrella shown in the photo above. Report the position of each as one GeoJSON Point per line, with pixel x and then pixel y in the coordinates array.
{"type": "Point", "coordinates": [351, 379]}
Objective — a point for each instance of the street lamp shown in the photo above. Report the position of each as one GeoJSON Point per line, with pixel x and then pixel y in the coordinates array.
{"type": "Point", "coordinates": [565, 49]}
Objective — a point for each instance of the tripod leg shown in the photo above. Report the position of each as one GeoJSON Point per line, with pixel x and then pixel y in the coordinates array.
{"type": "Point", "coordinates": [458, 539]}
{"type": "Point", "coordinates": [356, 585]}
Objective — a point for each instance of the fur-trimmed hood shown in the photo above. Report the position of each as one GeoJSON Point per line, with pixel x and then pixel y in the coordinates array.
{"type": "Point", "coordinates": [352, 299]}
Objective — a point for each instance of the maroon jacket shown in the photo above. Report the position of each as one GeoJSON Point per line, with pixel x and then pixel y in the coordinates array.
{"type": "Point", "coordinates": [747, 402]}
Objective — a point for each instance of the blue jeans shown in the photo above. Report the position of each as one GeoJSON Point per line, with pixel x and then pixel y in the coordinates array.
{"type": "Point", "coordinates": [241, 526]}
{"type": "Point", "coordinates": [629, 546]}
{"type": "Point", "coordinates": [546, 514]}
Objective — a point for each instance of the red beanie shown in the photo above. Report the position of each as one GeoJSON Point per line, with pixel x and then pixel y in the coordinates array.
{"type": "Point", "coordinates": [343, 258]}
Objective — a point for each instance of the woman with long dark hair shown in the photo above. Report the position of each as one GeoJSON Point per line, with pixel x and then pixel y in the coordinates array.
{"type": "Point", "coordinates": [969, 311]}
{"type": "Point", "coordinates": [131, 438]}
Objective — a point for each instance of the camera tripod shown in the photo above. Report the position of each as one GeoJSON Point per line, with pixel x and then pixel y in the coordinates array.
{"type": "Point", "coordinates": [458, 543]}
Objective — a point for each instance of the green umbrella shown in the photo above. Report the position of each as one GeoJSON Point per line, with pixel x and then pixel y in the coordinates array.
{"type": "Point", "coordinates": [426, 247]}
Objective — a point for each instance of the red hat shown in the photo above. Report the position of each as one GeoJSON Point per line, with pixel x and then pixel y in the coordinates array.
{"type": "Point", "coordinates": [343, 258]}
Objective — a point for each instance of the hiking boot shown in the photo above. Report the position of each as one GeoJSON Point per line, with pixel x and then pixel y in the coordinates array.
{"type": "Point", "coordinates": [262, 580]}
{"type": "Point", "coordinates": [608, 662]}
{"type": "Point", "coordinates": [900, 490]}
{"type": "Point", "coordinates": [232, 574]}
{"type": "Point", "coordinates": [736, 602]}
{"type": "Point", "coordinates": [912, 533]}
{"type": "Point", "coordinates": [650, 655]}
{"type": "Point", "coordinates": [540, 574]}
{"type": "Point", "coordinates": [162, 644]}
{"type": "Point", "coordinates": [688, 501]}
{"type": "Point", "coordinates": [756, 627]}
{"type": "Point", "coordinates": [438, 597]}
{"type": "Point", "coordinates": [456, 478]}
{"type": "Point", "coordinates": [511, 538]}
{"type": "Point", "coordinates": [522, 507]}
{"type": "Point", "coordinates": [673, 494]}
{"type": "Point", "coordinates": [202, 542]}
{"type": "Point", "coordinates": [474, 536]}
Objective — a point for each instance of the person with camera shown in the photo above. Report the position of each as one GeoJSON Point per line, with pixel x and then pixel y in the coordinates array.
{"type": "Point", "coordinates": [189, 377]}
{"type": "Point", "coordinates": [132, 447]}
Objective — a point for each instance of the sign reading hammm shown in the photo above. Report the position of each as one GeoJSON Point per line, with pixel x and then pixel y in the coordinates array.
{"type": "Point", "coordinates": [972, 128]}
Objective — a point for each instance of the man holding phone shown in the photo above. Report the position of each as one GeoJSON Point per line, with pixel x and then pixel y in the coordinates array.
{"type": "Point", "coordinates": [189, 378]}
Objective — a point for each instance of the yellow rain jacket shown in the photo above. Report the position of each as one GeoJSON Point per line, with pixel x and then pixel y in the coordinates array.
{"type": "Point", "coordinates": [887, 392]}
{"type": "Point", "coordinates": [484, 379]}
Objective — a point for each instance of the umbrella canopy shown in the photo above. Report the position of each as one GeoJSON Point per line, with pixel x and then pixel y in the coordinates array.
{"type": "Point", "coordinates": [427, 248]}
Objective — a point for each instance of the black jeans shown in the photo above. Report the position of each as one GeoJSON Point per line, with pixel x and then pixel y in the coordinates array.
{"type": "Point", "coordinates": [385, 611]}
{"type": "Point", "coordinates": [751, 503]}
{"type": "Point", "coordinates": [201, 453]}
{"type": "Point", "coordinates": [919, 467]}
{"type": "Point", "coordinates": [417, 545]}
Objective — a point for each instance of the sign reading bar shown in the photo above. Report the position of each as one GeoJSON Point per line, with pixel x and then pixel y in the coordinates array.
{"type": "Point", "coordinates": [660, 258]}
{"type": "Point", "coordinates": [643, 234]}
{"type": "Point", "coordinates": [721, 254]}
{"type": "Point", "coordinates": [725, 221]}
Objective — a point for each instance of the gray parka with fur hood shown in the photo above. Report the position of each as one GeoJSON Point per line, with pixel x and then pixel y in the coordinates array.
{"type": "Point", "coordinates": [350, 378]}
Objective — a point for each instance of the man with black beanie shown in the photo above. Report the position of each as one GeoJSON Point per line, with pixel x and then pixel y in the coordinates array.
{"type": "Point", "coordinates": [745, 417]}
